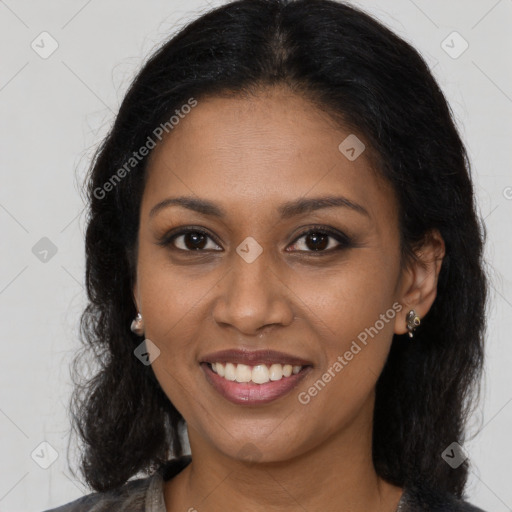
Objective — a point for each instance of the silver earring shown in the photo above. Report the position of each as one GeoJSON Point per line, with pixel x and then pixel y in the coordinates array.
{"type": "Point", "coordinates": [138, 325]}
{"type": "Point", "coordinates": [413, 321]}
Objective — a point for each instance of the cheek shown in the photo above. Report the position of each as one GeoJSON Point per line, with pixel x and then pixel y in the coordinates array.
{"type": "Point", "coordinates": [171, 297]}
{"type": "Point", "coordinates": [170, 307]}
{"type": "Point", "coordinates": [345, 301]}
{"type": "Point", "coordinates": [345, 311]}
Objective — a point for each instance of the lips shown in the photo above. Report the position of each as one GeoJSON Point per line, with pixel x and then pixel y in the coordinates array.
{"type": "Point", "coordinates": [249, 393]}
{"type": "Point", "coordinates": [253, 358]}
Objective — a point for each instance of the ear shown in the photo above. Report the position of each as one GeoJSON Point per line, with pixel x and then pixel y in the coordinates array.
{"type": "Point", "coordinates": [135, 296]}
{"type": "Point", "coordinates": [418, 286]}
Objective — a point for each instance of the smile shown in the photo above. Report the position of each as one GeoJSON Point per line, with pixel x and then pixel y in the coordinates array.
{"type": "Point", "coordinates": [253, 385]}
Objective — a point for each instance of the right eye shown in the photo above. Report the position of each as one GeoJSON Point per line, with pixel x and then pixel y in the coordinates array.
{"type": "Point", "coordinates": [192, 240]}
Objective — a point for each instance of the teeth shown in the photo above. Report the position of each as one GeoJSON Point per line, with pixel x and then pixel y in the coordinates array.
{"type": "Point", "coordinates": [259, 374]}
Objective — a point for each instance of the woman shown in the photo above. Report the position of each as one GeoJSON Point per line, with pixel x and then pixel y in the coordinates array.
{"type": "Point", "coordinates": [283, 256]}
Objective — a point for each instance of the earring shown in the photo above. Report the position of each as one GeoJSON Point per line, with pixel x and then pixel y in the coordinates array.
{"type": "Point", "coordinates": [137, 325]}
{"type": "Point", "coordinates": [413, 320]}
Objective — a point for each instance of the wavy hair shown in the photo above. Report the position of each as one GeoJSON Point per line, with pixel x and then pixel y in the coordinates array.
{"type": "Point", "coordinates": [366, 78]}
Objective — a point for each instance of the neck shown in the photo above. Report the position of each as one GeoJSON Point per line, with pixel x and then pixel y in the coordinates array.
{"type": "Point", "coordinates": [337, 475]}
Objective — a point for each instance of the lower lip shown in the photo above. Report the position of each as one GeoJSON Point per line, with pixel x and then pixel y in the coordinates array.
{"type": "Point", "coordinates": [248, 393]}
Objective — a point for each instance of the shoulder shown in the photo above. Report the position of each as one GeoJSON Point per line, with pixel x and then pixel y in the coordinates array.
{"type": "Point", "coordinates": [134, 496]}
{"type": "Point", "coordinates": [130, 497]}
{"type": "Point", "coordinates": [423, 499]}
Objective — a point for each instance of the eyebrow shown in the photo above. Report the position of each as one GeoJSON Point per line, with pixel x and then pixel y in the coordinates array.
{"type": "Point", "coordinates": [286, 210]}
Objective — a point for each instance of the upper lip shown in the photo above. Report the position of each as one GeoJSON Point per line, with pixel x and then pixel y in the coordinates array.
{"type": "Point", "coordinates": [253, 358]}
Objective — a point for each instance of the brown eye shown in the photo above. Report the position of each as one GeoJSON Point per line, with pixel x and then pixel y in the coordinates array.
{"type": "Point", "coordinates": [194, 241]}
{"type": "Point", "coordinates": [188, 240]}
{"type": "Point", "coordinates": [322, 240]}
{"type": "Point", "coordinates": [317, 241]}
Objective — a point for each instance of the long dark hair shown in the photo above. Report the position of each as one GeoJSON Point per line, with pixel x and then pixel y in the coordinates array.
{"type": "Point", "coordinates": [366, 78]}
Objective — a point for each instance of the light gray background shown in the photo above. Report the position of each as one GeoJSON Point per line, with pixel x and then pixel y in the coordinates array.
{"type": "Point", "coordinates": [55, 110]}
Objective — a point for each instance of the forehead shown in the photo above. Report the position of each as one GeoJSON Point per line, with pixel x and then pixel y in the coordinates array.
{"type": "Point", "coordinates": [247, 152]}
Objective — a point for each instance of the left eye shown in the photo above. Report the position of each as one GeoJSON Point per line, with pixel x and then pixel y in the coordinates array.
{"type": "Point", "coordinates": [317, 240]}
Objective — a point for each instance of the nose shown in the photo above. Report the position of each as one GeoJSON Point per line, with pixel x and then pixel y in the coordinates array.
{"type": "Point", "coordinates": [252, 296]}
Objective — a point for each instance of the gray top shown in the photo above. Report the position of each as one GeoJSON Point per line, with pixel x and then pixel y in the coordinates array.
{"type": "Point", "coordinates": [147, 495]}
{"type": "Point", "coordinates": [141, 495]}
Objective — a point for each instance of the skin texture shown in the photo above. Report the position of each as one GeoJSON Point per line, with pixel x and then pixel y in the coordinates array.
{"type": "Point", "coordinates": [249, 155]}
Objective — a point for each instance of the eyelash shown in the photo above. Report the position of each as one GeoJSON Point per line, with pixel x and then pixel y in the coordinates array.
{"type": "Point", "coordinates": [344, 241]}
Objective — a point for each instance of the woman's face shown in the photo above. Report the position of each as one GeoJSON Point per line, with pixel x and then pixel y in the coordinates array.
{"type": "Point", "coordinates": [255, 281]}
